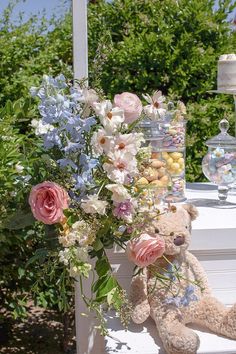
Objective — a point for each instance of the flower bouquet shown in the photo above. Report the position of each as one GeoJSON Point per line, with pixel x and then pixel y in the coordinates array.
{"type": "Point", "coordinates": [92, 199]}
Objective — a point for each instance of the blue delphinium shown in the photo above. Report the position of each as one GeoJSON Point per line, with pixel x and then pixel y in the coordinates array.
{"type": "Point", "coordinates": [67, 131]}
{"type": "Point", "coordinates": [51, 139]}
{"type": "Point", "coordinates": [185, 300]}
{"type": "Point", "coordinates": [188, 296]}
{"type": "Point", "coordinates": [171, 269]}
{"type": "Point", "coordinates": [67, 163]}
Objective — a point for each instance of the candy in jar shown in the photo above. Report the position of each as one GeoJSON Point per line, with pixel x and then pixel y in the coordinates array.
{"type": "Point", "coordinates": [219, 164]}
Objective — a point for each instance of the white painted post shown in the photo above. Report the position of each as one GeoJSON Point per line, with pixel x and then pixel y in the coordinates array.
{"type": "Point", "coordinates": [80, 39]}
{"type": "Point", "coordinates": [88, 340]}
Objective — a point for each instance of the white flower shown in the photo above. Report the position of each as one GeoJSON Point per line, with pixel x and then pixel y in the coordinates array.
{"type": "Point", "coordinates": [119, 192]}
{"type": "Point", "coordinates": [218, 153]}
{"type": "Point", "coordinates": [80, 270]}
{"type": "Point", "coordinates": [80, 233]}
{"type": "Point", "coordinates": [68, 240]}
{"type": "Point", "coordinates": [121, 167]}
{"type": "Point", "coordinates": [93, 205]}
{"type": "Point", "coordinates": [155, 110]}
{"type": "Point", "coordinates": [101, 142]}
{"type": "Point", "coordinates": [64, 256]}
{"type": "Point", "coordinates": [19, 168]}
{"type": "Point", "coordinates": [85, 235]}
{"type": "Point", "coordinates": [82, 254]}
{"type": "Point", "coordinates": [128, 142]}
{"type": "Point", "coordinates": [111, 118]}
{"type": "Point", "coordinates": [88, 96]}
{"type": "Point", "coordinates": [40, 127]}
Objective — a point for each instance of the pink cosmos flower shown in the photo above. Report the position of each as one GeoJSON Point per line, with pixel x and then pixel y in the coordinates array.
{"type": "Point", "coordinates": [145, 249]}
{"type": "Point", "coordinates": [155, 109]}
{"type": "Point", "coordinates": [121, 167]}
{"type": "Point", "coordinates": [131, 105]}
{"type": "Point", "coordinates": [47, 201]}
{"type": "Point", "coordinates": [129, 143]}
{"type": "Point", "coordinates": [124, 210]}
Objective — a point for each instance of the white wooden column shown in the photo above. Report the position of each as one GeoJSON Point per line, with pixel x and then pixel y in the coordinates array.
{"type": "Point", "coordinates": [88, 339]}
{"type": "Point", "coordinates": [80, 39]}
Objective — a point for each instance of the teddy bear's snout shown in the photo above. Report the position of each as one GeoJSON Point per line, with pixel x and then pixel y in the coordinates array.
{"type": "Point", "coordinates": [179, 240]}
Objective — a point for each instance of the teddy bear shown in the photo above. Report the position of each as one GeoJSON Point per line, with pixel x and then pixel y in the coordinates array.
{"type": "Point", "coordinates": [174, 290]}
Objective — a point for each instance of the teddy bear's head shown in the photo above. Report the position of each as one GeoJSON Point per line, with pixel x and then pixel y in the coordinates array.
{"type": "Point", "coordinates": [175, 228]}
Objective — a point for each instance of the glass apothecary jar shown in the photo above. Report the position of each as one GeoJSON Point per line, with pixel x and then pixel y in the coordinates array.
{"type": "Point", "coordinates": [173, 134]}
{"type": "Point", "coordinates": [173, 152]}
{"type": "Point", "coordinates": [219, 164]}
{"type": "Point", "coordinates": [154, 177]}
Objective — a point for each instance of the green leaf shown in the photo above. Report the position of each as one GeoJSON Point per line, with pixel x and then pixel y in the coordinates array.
{"type": "Point", "coordinates": [21, 272]}
{"type": "Point", "coordinates": [110, 296]}
{"type": "Point", "coordinates": [20, 220]}
{"type": "Point", "coordinates": [97, 245]}
{"type": "Point", "coordinates": [102, 266]}
{"type": "Point", "coordinates": [40, 255]}
{"type": "Point", "coordinates": [106, 287]}
{"type": "Point", "coordinates": [8, 107]}
{"type": "Point", "coordinates": [100, 283]}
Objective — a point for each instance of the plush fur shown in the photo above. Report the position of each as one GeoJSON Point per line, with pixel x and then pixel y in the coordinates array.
{"type": "Point", "coordinates": [150, 297]}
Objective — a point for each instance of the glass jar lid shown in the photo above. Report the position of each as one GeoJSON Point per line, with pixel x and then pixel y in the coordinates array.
{"type": "Point", "coordinates": [223, 139]}
{"type": "Point", "coordinates": [151, 130]}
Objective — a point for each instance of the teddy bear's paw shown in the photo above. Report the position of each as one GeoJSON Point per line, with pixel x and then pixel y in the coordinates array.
{"type": "Point", "coordinates": [229, 323]}
{"type": "Point", "coordinates": [186, 342]}
{"type": "Point", "coordinates": [141, 312]}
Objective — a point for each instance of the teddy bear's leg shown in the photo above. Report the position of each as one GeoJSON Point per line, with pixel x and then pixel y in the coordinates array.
{"type": "Point", "coordinates": [139, 299]}
{"type": "Point", "coordinates": [176, 338]}
{"type": "Point", "coordinates": [214, 315]}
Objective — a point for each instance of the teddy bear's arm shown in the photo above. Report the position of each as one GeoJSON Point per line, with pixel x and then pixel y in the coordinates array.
{"type": "Point", "coordinates": [199, 272]}
{"type": "Point", "coordinates": [139, 298]}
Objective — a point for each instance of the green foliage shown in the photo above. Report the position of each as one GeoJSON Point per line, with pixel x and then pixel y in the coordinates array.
{"type": "Point", "coordinates": [27, 50]}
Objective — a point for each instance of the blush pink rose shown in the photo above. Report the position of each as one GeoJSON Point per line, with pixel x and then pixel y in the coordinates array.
{"type": "Point", "coordinates": [145, 249]}
{"type": "Point", "coordinates": [47, 201]}
{"type": "Point", "coordinates": [131, 105]}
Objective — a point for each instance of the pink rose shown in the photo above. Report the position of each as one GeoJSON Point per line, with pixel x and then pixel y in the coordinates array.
{"type": "Point", "coordinates": [47, 201]}
{"type": "Point", "coordinates": [131, 105]}
{"type": "Point", "coordinates": [145, 249]}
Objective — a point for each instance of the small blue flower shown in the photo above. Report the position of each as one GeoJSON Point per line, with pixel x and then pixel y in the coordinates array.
{"type": "Point", "coordinates": [88, 123]}
{"type": "Point", "coordinates": [51, 139]}
{"type": "Point", "coordinates": [173, 301]}
{"type": "Point", "coordinates": [122, 229]}
{"type": "Point", "coordinates": [67, 162]}
{"type": "Point", "coordinates": [188, 296]}
{"type": "Point", "coordinates": [72, 147]}
{"type": "Point", "coordinates": [87, 162]}
{"type": "Point", "coordinates": [75, 94]}
{"type": "Point", "coordinates": [185, 300]}
{"type": "Point", "coordinates": [79, 182]}
{"type": "Point", "coordinates": [170, 271]}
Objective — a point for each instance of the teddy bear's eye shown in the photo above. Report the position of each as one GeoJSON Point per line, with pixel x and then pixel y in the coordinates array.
{"type": "Point", "coordinates": [172, 234]}
{"type": "Point", "coordinates": [157, 231]}
{"type": "Point", "coordinates": [186, 227]}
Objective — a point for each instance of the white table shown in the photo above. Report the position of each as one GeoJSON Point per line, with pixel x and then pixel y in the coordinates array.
{"type": "Point", "coordinates": [214, 243]}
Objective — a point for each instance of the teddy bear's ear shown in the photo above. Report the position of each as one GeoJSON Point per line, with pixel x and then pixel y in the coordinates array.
{"type": "Point", "coordinates": [192, 210]}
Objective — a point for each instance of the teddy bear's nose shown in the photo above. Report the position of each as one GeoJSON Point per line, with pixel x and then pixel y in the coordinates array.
{"type": "Point", "coordinates": [179, 240]}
